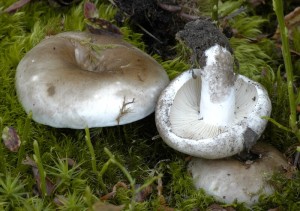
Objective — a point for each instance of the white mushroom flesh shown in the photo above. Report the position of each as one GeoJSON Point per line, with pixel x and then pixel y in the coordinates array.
{"type": "Point", "coordinates": [217, 101]}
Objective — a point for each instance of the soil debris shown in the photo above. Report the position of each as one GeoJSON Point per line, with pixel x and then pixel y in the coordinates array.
{"type": "Point", "coordinates": [151, 18]}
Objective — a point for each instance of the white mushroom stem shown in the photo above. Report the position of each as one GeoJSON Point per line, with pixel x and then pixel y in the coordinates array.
{"type": "Point", "coordinates": [217, 101]}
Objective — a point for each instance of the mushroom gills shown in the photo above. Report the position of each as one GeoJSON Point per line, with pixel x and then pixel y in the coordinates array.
{"type": "Point", "coordinates": [184, 114]}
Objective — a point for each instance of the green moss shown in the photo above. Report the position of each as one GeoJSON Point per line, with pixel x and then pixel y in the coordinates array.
{"type": "Point", "coordinates": [134, 146]}
{"type": "Point", "coordinates": [246, 26]}
{"type": "Point", "coordinates": [251, 58]}
{"type": "Point", "coordinates": [228, 7]}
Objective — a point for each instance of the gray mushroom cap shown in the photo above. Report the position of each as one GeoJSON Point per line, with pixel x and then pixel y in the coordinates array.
{"type": "Point", "coordinates": [229, 179]}
{"type": "Point", "coordinates": [179, 126]}
{"type": "Point", "coordinates": [79, 79]}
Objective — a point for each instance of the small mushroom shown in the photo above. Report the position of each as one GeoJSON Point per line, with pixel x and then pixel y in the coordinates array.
{"type": "Point", "coordinates": [219, 113]}
{"type": "Point", "coordinates": [230, 179]}
{"type": "Point", "coordinates": [78, 79]}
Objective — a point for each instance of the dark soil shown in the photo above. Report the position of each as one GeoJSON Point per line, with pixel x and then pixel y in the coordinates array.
{"type": "Point", "coordinates": [163, 21]}
{"type": "Point", "coordinates": [157, 25]}
{"type": "Point", "coordinates": [200, 35]}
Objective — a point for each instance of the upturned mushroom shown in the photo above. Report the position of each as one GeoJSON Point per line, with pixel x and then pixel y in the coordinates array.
{"type": "Point", "coordinates": [80, 79]}
{"type": "Point", "coordinates": [219, 113]}
{"type": "Point", "coordinates": [212, 113]}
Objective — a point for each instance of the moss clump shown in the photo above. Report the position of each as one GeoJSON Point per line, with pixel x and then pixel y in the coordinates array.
{"type": "Point", "coordinates": [77, 186]}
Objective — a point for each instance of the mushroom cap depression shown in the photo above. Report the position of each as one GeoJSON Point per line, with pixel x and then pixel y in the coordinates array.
{"type": "Point", "coordinates": [177, 118]}
{"type": "Point", "coordinates": [79, 79]}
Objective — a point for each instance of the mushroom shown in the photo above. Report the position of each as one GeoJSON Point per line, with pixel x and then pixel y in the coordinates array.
{"type": "Point", "coordinates": [219, 113]}
{"type": "Point", "coordinates": [78, 79]}
{"type": "Point", "coordinates": [210, 112]}
{"type": "Point", "coordinates": [180, 126]}
{"type": "Point", "coordinates": [230, 179]}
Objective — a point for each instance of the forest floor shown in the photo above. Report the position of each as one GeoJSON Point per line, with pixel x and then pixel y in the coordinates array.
{"type": "Point", "coordinates": [129, 167]}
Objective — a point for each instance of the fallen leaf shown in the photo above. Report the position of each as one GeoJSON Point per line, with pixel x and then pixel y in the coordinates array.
{"type": "Point", "coordinates": [100, 26]}
{"type": "Point", "coordinates": [163, 205]}
{"type": "Point", "coordinates": [114, 191]}
{"type": "Point", "coordinates": [143, 194]}
{"type": "Point", "coordinates": [90, 10]}
{"type": "Point", "coordinates": [293, 18]}
{"type": "Point", "coordinates": [49, 184]}
{"type": "Point", "coordinates": [16, 6]}
{"type": "Point", "coordinates": [292, 22]}
{"type": "Point", "coordinates": [70, 161]}
{"type": "Point", "coordinates": [11, 139]}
